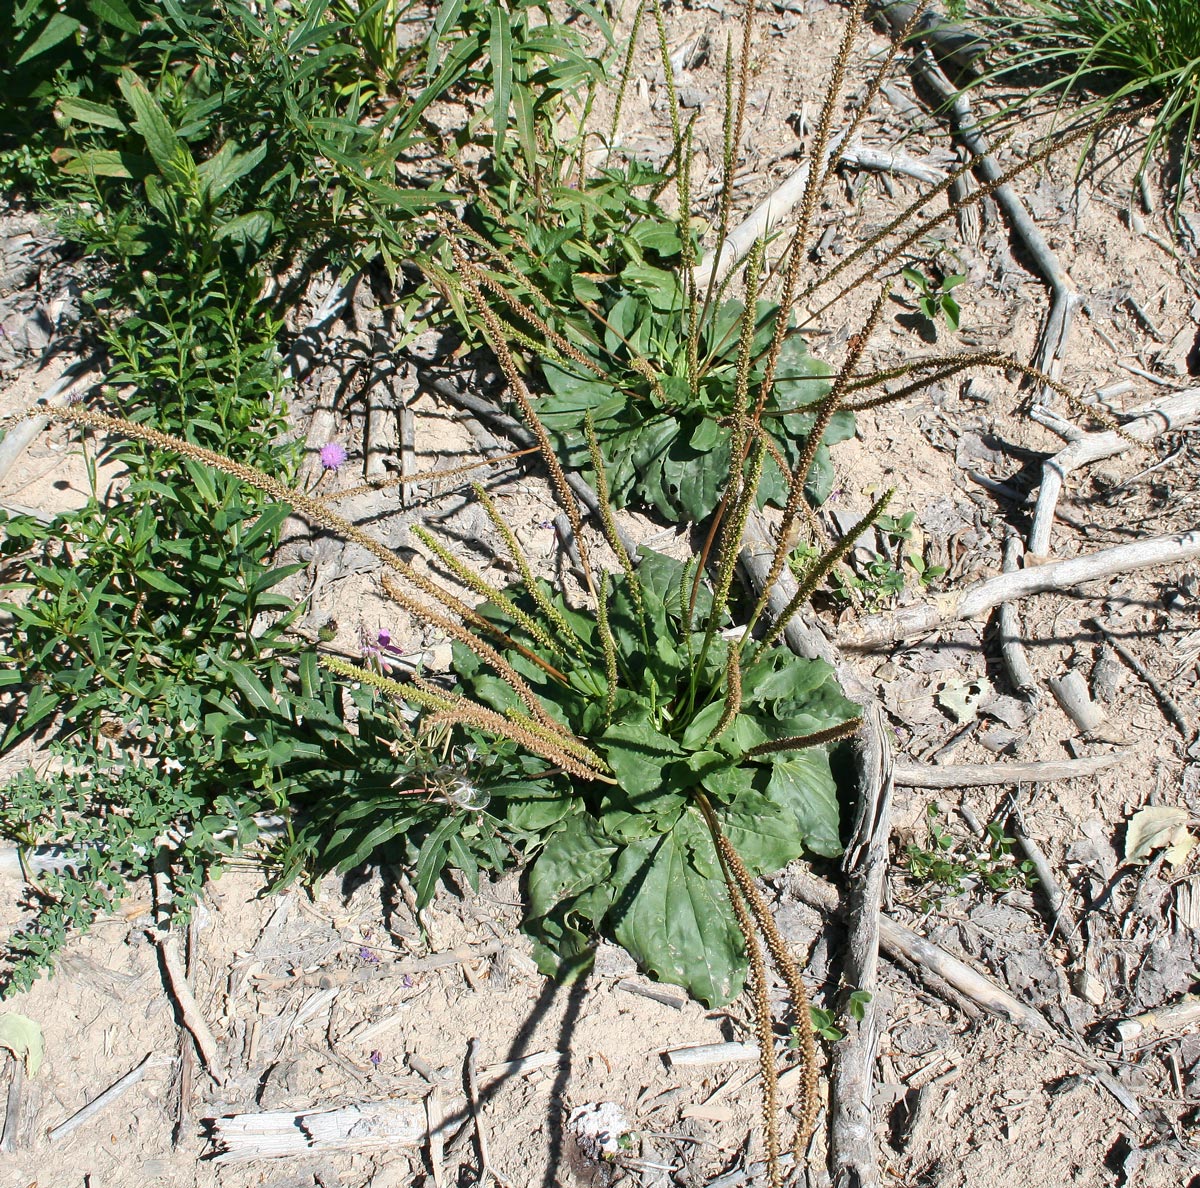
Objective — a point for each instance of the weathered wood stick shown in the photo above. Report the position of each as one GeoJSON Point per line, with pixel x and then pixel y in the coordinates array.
{"type": "Point", "coordinates": [1012, 648]}
{"type": "Point", "coordinates": [897, 940]}
{"type": "Point", "coordinates": [877, 630]}
{"type": "Point", "coordinates": [58, 1133]}
{"type": "Point", "coordinates": [189, 1009]}
{"type": "Point", "coordinates": [1180, 1014]}
{"type": "Point", "coordinates": [18, 436]}
{"type": "Point", "coordinates": [1163, 416]}
{"type": "Point", "coordinates": [853, 1157]}
{"type": "Point", "coordinates": [981, 775]}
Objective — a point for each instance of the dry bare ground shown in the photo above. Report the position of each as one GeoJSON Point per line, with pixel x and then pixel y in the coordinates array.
{"type": "Point", "coordinates": [343, 998]}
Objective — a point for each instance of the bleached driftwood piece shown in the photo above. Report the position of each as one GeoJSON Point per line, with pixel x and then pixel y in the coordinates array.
{"type": "Point", "coordinates": [279, 1134]}
{"type": "Point", "coordinates": [485, 1161]}
{"type": "Point", "coordinates": [1162, 416]}
{"type": "Point", "coordinates": [876, 630]}
{"type": "Point", "coordinates": [878, 160]}
{"type": "Point", "coordinates": [1169, 705]}
{"type": "Point", "coordinates": [308, 342]}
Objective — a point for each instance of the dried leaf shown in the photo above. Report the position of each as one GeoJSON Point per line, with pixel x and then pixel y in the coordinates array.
{"type": "Point", "coordinates": [964, 698]}
{"type": "Point", "coordinates": [1156, 828]}
{"type": "Point", "coordinates": [1180, 848]}
{"type": "Point", "coordinates": [23, 1038]}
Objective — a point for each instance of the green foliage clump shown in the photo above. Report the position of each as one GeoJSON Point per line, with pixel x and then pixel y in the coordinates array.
{"type": "Point", "coordinates": [946, 865]}
{"type": "Point", "coordinates": [630, 856]}
{"type": "Point", "coordinates": [1141, 52]}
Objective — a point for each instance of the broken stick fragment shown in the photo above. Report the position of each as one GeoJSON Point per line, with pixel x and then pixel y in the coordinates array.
{"type": "Point", "coordinates": [277, 1134]}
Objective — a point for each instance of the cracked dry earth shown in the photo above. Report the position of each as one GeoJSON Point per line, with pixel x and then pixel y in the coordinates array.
{"type": "Point", "coordinates": [343, 997]}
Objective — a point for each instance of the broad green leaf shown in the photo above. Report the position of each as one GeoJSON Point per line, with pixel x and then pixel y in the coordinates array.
{"type": "Point", "coordinates": [702, 725]}
{"type": "Point", "coordinates": [105, 163]}
{"type": "Point", "coordinates": [676, 923]}
{"type": "Point", "coordinates": [764, 834]}
{"type": "Point", "coordinates": [254, 690]}
{"type": "Point", "coordinates": [537, 815]}
{"type": "Point", "coordinates": [160, 581]}
{"type": "Point", "coordinates": [802, 785]}
{"type": "Point", "coordinates": [573, 861]}
{"type": "Point", "coordinates": [226, 166]}
{"type": "Point", "coordinates": [637, 753]}
{"type": "Point", "coordinates": [781, 675]}
{"type": "Point", "coordinates": [252, 227]}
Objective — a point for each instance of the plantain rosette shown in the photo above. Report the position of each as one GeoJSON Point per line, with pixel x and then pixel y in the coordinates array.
{"type": "Point", "coordinates": [633, 860]}
{"type": "Point", "coordinates": [665, 445]}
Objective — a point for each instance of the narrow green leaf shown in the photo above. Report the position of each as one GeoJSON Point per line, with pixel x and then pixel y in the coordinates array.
{"type": "Point", "coordinates": [169, 152]}
{"type": "Point", "coordinates": [115, 12]}
{"type": "Point", "coordinates": [160, 581]}
{"type": "Point", "coordinates": [58, 28]}
{"type": "Point", "coordinates": [88, 112]}
{"type": "Point", "coordinates": [431, 858]}
{"type": "Point", "coordinates": [254, 690]}
{"type": "Point", "coordinates": [500, 51]}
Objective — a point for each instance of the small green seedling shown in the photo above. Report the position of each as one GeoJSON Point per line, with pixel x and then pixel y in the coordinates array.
{"type": "Point", "coordinates": [948, 864]}
{"type": "Point", "coordinates": [935, 300]}
{"type": "Point", "coordinates": [823, 1020]}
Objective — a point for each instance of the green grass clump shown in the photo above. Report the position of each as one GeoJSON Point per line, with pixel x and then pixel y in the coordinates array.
{"type": "Point", "coordinates": [1125, 52]}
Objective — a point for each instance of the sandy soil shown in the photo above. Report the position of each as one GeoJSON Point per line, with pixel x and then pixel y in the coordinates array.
{"type": "Point", "coordinates": [327, 1000]}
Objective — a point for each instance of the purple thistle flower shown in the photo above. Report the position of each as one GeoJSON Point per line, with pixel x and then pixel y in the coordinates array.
{"type": "Point", "coordinates": [332, 455]}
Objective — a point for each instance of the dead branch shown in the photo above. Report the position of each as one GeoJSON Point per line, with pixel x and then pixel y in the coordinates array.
{"type": "Point", "coordinates": [874, 631]}
{"type": "Point", "coordinates": [513, 429]}
{"type": "Point", "coordinates": [102, 1101]}
{"type": "Point", "coordinates": [60, 393]}
{"type": "Point", "coordinates": [853, 1158]}
{"type": "Point", "coordinates": [189, 1009]}
{"type": "Point", "coordinates": [980, 775]}
{"type": "Point", "coordinates": [1162, 416]}
{"type": "Point", "coordinates": [1169, 706]}
{"type": "Point", "coordinates": [896, 940]}
{"type": "Point", "coordinates": [769, 213]}
{"type": "Point", "coordinates": [1184, 1012]}
{"type": "Point", "coordinates": [1065, 300]}
{"type": "Point", "coordinates": [1012, 648]}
